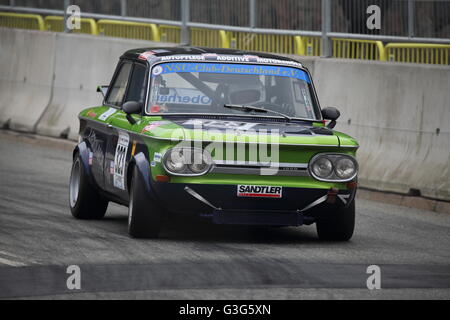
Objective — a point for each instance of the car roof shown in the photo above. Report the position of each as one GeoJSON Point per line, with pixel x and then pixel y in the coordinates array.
{"type": "Point", "coordinates": [156, 52]}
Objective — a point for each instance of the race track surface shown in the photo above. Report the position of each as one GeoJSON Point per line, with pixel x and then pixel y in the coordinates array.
{"type": "Point", "coordinates": [194, 259]}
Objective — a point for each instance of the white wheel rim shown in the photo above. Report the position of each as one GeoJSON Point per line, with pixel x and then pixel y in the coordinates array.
{"type": "Point", "coordinates": [74, 186]}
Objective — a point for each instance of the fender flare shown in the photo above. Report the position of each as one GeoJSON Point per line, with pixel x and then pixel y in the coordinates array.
{"type": "Point", "coordinates": [142, 165]}
{"type": "Point", "coordinates": [83, 149]}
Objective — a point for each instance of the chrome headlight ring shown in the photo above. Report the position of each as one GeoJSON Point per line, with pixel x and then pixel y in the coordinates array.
{"type": "Point", "coordinates": [344, 167]}
{"type": "Point", "coordinates": [187, 161]}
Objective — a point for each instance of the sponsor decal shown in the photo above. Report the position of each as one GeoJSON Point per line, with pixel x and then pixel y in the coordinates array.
{"type": "Point", "coordinates": [183, 57]}
{"type": "Point", "coordinates": [243, 126]}
{"type": "Point", "coordinates": [259, 191]}
{"type": "Point", "coordinates": [157, 157]}
{"type": "Point", "coordinates": [111, 167]}
{"type": "Point", "coordinates": [153, 163]}
{"type": "Point", "coordinates": [146, 55]}
{"type": "Point", "coordinates": [153, 125]}
{"type": "Point", "coordinates": [232, 58]}
{"type": "Point", "coordinates": [91, 114]}
{"type": "Point", "coordinates": [105, 115]}
{"type": "Point", "coordinates": [120, 160]}
{"type": "Point", "coordinates": [97, 146]}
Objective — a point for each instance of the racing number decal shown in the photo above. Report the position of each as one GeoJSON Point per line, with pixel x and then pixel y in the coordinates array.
{"type": "Point", "coordinates": [120, 160]}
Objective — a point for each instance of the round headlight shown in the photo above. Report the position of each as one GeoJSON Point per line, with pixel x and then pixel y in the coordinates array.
{"type": "Point", "coordinates": [200, 162]}
{"type": "Point", "coordinates": [322, 167]}
{"type": "Point", "coordinates": [345, 168]}
{"type": "Point", "coordinates": [175, 161]}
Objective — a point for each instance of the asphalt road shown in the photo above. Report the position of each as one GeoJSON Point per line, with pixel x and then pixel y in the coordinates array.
{"type": "Point", "coordinates": [39, 239]}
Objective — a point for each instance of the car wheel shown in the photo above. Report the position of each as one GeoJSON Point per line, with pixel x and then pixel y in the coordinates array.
{"type": "Point", "coordinates": [144, 215]}
{"type": "Point", "coordinates": [340, 227]}
{"type": "Point", "coordinates": [84, 200]}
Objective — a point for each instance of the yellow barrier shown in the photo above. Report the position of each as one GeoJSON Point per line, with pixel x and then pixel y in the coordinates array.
{"type": "Point", "coordinates": [305, 46]}
{"type": "Point", "coordinates": [56, 24]}
{"type": "Point", "coordinates": [209, 38]}
{"type": "Point", "coordinates": [308, 46]}
{"type": "Point", "coordinates": [21, 21]}
{"type": "Point", "coordinates": [132, 30]}
{"type": "Point", "coordinates": [359, 49]}
{"type": "Point", "coordinates": [262, 42]}
{"type": "Point", "coordinates": [418, 53]}
{"type": "Point", "coordinates": [170, 33]}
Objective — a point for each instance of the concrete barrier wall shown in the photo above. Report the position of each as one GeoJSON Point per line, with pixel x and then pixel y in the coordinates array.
{"type": "Point", "coordinates": [400, 115]}
{"type": "Point", "coordinates": [393, 110]}
{"type": "Point", "coordinates": [26, 70]}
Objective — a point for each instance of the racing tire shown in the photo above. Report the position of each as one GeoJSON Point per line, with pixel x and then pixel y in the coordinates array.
{"type": "Point", "coordinates": [144, 215]}
{"type": "Point", "coordinates": [84, 200]}
{"type": "Point", "coordinates": [340, 227]}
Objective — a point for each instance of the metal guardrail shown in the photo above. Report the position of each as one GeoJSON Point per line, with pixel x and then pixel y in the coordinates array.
{"type": "Point", "coordinates": [127, 29]}
{"type": "Point", "coordinates": [418, 53]}
{"type": "Point", "coordinates": [56, 24]}
{"type": "Point", "coordinates": [308, 43]}
{"type": "Point", "coordinates": [359, 49]}
{"type": "Point", "coordinates": [170, 33]}
{"type": "Point", "coordinates": [209, 38]}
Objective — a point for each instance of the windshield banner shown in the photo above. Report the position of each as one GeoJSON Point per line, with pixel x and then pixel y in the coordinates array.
{"type": "Point", "coordinates": [176, 67]}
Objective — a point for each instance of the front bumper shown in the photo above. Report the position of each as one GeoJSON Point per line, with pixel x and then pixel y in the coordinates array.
{"type": "Point", "coordinates": [220, 202]}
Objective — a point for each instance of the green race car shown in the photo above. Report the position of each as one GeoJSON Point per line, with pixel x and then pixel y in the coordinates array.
{"type": "Point", "coordinates": [233, 136]}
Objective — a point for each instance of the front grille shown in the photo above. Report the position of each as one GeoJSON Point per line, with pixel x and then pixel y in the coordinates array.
{"type": "Point", "coordinates": [281, 169]}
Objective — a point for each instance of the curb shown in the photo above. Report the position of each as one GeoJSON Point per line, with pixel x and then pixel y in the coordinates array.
{"type": "Point", "coordinates": [404, 200]}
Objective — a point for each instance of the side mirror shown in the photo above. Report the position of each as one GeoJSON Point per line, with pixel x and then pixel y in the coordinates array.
{"type": "Point", "coordinates": [131, 107]}
{"type": "Point", "coordinates": [331, 113]}
{"type": "Point", "coordinates": [103, 90]}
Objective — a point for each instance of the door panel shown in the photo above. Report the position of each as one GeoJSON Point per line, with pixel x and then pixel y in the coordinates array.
{"type": "Point", "coordinates": [96, 134]}
{"type": "Point", "coordinates": [118, 153]}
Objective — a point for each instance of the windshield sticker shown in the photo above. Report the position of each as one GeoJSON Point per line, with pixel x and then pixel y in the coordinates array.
{"type": "Point", "coordinates": [183, 96]}
{"type": "Point", "coordinates": [157, 70]}
{"type": "Point", "coordinates": [105, 115]}
{"type": "Point", "coordinates": [231, 58]}
{"type": "Point", "coordinates": [177, 67]}
{"type": "Point", "coordinates": [221, 124]}
{"type": "Point", "coordinates": [183, 57]}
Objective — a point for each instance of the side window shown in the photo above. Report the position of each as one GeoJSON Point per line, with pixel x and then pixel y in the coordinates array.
{"type": "Point", "coordinates": [119, 86]}
{"type": "Point", "coordinates": [136, 90]}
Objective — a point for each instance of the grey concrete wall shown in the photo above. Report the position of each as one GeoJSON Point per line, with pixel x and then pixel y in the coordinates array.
{"type": "Point", "coordinates": [399, 113]}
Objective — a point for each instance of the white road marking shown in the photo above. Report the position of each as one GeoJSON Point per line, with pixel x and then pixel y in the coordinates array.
{"type": "Point", "coordinates": [8, 254]}
{"type": "Point", "coordinates": [11, 263]}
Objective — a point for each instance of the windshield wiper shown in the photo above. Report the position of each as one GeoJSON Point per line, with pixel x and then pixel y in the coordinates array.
{"type": "Point", "coordinates": [256, 109]}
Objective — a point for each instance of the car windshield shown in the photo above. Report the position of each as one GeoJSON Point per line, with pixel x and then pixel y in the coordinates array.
{"type": "Point", "coordinates": [187, 87]}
